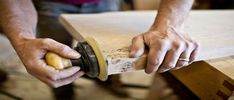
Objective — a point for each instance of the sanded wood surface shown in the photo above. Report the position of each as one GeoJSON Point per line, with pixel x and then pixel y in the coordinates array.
{"type": "Point", "coordinates": [114, 31]}
{"type": "Point", "coordinates": [211, 78]}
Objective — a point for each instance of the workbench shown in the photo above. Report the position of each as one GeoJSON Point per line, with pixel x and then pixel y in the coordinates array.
{"type": "Point", "coordinates": [210, 77]}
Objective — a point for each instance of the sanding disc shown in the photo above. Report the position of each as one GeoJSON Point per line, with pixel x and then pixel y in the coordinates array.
{"type": "Point", "coordinates": [100, 57]}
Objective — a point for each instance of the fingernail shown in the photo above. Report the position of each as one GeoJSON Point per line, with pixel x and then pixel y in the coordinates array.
{"type": "Point", "coordinates": [75, 54]}
{"type": "Point", "coordinates": [149, 69]}
{"type": "Point", "coordinates": [163, 70]}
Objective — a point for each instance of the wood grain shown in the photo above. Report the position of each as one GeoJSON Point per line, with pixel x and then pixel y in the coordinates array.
{"type": "Point", "coordinates": [114, 31]}
{"type": "Point", "coordinates": [205, 80]}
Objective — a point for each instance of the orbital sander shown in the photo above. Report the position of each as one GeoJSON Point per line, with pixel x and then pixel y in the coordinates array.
{"type": "Point", "coordinates": [92, 60]}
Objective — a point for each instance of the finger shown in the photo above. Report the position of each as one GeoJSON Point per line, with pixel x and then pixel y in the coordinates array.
{"type": "Point", "coordinates": [68, 80]}
{"type": "Point", "coordinates": [183, 59]}
{"type": "Point", "coordinates": [170, 60]}
{"type": "Point", "coordinates": [61, 82]}
{"type": "Point", "coordinates": [183, 63]}
{"type": "Point", "coordinates": [155, 58]}
{"type": "Point", "coordinates": [60, 49]}
{"type": "Point", "coordinates": [194, 53]}
{"type": "Point", "coordinates": [176, 68]}
{"type": "Point", "coordinates": [48, 71]}
{"type": "Point", "coordinates": [48, 74]}
{"type": "Point", "coordinates": [137, 47]}
{"type": "Point", "coordinates": [45, 80]}
{"type": "Point", "coordinates": [40, 69]}
{"type": "Point", "coordinates": [61, 74]}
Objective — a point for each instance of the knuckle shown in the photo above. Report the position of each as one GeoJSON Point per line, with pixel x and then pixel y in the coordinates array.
{"type": "Point", "coordinates": [46, 40]}
{"type": "Point", "coordinates": [59, 47]}
{"type": "Point", "coordinates": [150, 39]}
{"type": "Point", "coordinates": [197, 45]}
{"type": "Point", "coordinates": [188, 45]}
{"type": "Point", "coordinates": [147, 40]}
{"type": "Point", "coordinates": [52, 76]}
{"type": "Point", "coordinates": [194, 44]}
{"type": "Point", "coordinates": [154, 62]}
{"type": "Point", "coordinates": [136, 37]}
{"type": "Point", "coordinates": [63, 48]}
{"type": "Point", "coordinates": [178, 45]}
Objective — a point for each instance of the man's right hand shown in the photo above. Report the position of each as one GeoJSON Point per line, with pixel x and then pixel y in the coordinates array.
{"type": "Point", "coordinates": [32, 52]}
{"type": "Point", "coordinates": [18, 20]}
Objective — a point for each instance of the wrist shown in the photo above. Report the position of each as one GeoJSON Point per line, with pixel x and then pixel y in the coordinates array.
{"type": "Point", "coordinates": [165, 25]}
{"type": "Point", "coordinates": [18, 39]}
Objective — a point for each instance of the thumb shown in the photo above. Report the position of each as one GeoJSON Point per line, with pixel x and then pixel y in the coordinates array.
{"type": "Point", "coordinates": [137, 47]}
{"type": "Point", "coordinates": [61, 49]}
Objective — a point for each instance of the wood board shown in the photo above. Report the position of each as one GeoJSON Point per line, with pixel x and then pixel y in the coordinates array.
{"type": "Point", "coordinates": [114, 31]}
{"type": "Point", "coordinates": [212, 29]}
{"type": "Point", "coordinates": [207, 82]}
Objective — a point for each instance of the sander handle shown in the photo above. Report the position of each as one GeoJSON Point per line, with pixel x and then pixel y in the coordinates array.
{"type": "Point", "coordinates": [57, 61]}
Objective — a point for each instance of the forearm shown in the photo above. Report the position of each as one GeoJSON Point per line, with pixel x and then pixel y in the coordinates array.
{"type": "Point", "coordinates": [18, 19]}
{"type": "Point", "coordinates": [172, 13]}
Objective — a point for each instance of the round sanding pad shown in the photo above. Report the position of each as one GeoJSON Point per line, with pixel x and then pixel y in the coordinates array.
{"type": "Point", "coordinates": [100, 57]}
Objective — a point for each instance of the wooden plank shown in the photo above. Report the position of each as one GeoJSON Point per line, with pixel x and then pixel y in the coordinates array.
{"type": "Point", "coordinates": [206, 81]}
{"type": "Point", "coordinates": [114, 31]}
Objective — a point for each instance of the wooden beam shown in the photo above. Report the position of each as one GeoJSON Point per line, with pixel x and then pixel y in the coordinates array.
{"type": "Point", "coordinates": [114, 31]}
{"type": "Point", "coordinates": [214, 30]}
{"type": "Point", "coordinates": [207, 82]}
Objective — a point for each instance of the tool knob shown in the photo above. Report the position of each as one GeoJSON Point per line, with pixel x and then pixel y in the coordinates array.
{"type": "Point", "coordinates": [92, 61]}
{"type": "Point", "coordinates": [57, 61]}
{"type": "Point", "coordinates": [87, 62]}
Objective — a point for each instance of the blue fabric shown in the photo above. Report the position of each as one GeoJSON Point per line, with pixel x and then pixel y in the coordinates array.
{"type": "Point", "coordinates": [56, 8]}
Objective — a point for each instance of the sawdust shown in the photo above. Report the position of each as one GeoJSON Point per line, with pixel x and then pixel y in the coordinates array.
{"type": "Point", "coordinates": [119, 60]}
{"type": "Point", "coordinates": [119, 53]}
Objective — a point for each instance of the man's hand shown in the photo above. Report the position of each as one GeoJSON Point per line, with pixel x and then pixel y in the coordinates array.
{"type": "Point", "coordinates": [169, 47]}
{"type": "Point", "coordinates": [167, 50]}
{"type": "Point", "coordinates": [32, 52]}
{"type": "Point", "coordinates": [18, 20]}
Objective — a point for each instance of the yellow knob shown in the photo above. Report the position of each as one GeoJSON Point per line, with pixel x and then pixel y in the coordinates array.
{"type": "Point", "coordinates": [57, 61]}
